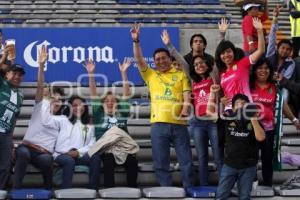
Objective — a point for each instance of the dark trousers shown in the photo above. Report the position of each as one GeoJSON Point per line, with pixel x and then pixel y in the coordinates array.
{"type": "Point", "coordinates": [68, 165]}
{"type": "Point", "coordinates": [5, 158]}
{"type": "Point", "coordinates": [94, 168]}
{"type": "Point", "coordinates": [296, 46]}
{"type": "Point", "coordinates": [266, 148]}
{"type": "Point", "coordinates": [42, 161]}
{"type": "Point", "coordinates": [131, 166]}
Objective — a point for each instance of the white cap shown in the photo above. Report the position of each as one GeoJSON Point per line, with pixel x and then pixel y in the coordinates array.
{"type": "Point", "coordinates": [247, 6]}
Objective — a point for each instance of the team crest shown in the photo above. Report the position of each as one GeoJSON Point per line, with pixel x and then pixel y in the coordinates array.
{"type": "Point", "coordinates": [232, 124]}
{"type": "Point", "coordinates": [249, 127]}
{"type": "Point", "coordinates": [270, 90]}
{"type": "Point", "coordinates": [174, 78]}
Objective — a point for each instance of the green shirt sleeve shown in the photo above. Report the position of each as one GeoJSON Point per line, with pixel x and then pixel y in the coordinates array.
{"type": "Point", "coordinates": [124, 108]}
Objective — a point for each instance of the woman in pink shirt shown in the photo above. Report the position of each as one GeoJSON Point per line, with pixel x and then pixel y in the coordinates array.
{"type": "Point", "coordinates": [235, 73]}
{"type": "Point", "coordinates": [263, 91]}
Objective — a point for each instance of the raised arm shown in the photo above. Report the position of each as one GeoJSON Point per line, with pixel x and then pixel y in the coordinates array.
{"type": "Point", "coordinates": [90, 68]}
{"type": "Point", "coordinates": [123, 69]}
{"type": "Point", "coordinates": [255, 56]}
{"type": "Point", "coordinates": [167, 41]}
{"type": "Point", "coordinates": [223, 26]}
{"type": "Point", "coordinates": [271, 49]}
{"type": "Point", "coordinates": [212, 107]}
{"type": "Point", "coordinates": [137, 50]}
{"type": "Point", "coordinates": [258, 130]}
{"type": "Point", "coordinates": [41, 75]}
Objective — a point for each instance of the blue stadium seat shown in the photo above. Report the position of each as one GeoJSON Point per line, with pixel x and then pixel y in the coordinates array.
{"type": "Point", "coordinates": [152, 20]}
{"type": "Point", "coordinates": [215, 11]}
{"type": "Point", "coordinates": [130, 20]}
{"type": "Point", "coordinates": [11, 21]}
{"type": "Point", "coordinates": [152, 11]}
{"type": "Point", "coordinates": [175, 21]}
{"type": "Point", "coordinates": [128, 1]}
{"type": "Point", "coordinates": [190, 2]}
{"type": "Point", "coordinates": [130, 11]}
{"type": "Point", "coordinates": [169, 2]}
{"type": "Point", "coordinates": [210, 2]}
{"type": "Point", "coordinates": [173, 11]}
{"type": "Point", "coordinates": [149, 1]}
{"type": "Point", "coordinates": [4, 11]}
{"type": "Point", "coordinates": [194, 11]}
{"type": "Point", "coordinates": [198, 21]}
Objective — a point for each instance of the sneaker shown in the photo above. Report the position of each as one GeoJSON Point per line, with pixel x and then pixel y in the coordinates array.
{"type": "Point", "coordinates": [291, 183]}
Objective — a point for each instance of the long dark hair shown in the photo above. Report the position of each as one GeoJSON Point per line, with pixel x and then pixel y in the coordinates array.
{"type": "Point", "coordinates": [259, 63]}
{"type": "Point", "coordinates": [196, 77]}
{"type": "Point", "coordinates": [85, 118]}
{"type": "Point", "coordinates": [223, 45]}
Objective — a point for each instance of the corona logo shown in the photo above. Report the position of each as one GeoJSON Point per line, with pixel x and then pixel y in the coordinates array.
{"type": "Point", "coordinates": [67, 54]}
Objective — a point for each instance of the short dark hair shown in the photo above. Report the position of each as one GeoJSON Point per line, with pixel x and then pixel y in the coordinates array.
{"type": "Point", "coordinates": [239, 97]}
{"type": "Point", "coordinates": [195, 77]}
{"type": "Point", "coordinates": [197, 35]}
{"type": "Point", "coordinates": [159, 50]}
{"type": "Point", "coordinates": [285, 41]}
{"type": "Point", "coordinates": [85, 118]}
{"type": "Point", "coordinates": [59, 90]}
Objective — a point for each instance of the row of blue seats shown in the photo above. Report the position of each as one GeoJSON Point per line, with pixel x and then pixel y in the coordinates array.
{"type": "Point", "coordinates": [169, 21]}
{"type": "Point", "coordinates": [172, 11]}
{"type": "Point", "coordinates": [171, 2]}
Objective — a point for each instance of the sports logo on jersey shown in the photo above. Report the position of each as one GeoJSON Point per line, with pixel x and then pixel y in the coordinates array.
{"type": "Point", "coordinates": [168, 92]}
{"type": "Point", "coordinates": [174, 78]}
{"type": "Point", "coordinates": [202, 93]}
{"type": "Point", "coordinates": [249, 127]}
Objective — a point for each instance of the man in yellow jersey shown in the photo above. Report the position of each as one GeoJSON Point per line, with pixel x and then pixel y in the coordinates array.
{"type": "Point", "coordinates": [295, 25]}
{"type": "Point", "coordinates": [170, 96]}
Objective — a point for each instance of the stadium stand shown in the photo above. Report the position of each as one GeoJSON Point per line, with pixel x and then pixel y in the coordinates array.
{"type": "Point", "coordinates": [184, 13]}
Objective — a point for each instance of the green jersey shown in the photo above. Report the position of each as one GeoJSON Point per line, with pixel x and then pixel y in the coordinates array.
{"type": "Point", "coordinates": [10, 103]}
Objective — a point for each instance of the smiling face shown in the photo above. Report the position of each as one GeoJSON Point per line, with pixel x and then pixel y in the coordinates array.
{"type": "Point", "coordinates": [227, 56]}
{"type": "Point", "coordinates": [162, 61]}
{"type": "Point", "coordinates": [14, 77]}
{"type": "Point", "coordinates": [262, 73]}
{"type": "Point", "coordinates": [284, 50]}
{"type": "Point", "coordinates": [110, 104]}
{"type": "Point", "coordinates": [200, 66]}
{"type": "Point", "coordinates": [77, 108]}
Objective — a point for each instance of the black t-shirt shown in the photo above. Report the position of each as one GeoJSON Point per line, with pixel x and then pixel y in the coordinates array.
{"type": "Point", "coordinates": [241, 146]}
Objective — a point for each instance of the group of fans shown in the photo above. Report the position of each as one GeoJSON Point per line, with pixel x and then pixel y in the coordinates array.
{"type": "Point", "coordinates": [218, 92]}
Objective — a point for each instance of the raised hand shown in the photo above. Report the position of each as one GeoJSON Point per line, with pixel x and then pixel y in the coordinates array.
{"type": "Point", "coordinates": [165, 37]}
{"type": "Point", "coordinates": [89, 66]}
{"type": "Point", "coordinates": [277, 10]}
{"type": "Point", "coordinates": [215, 88]}
{"type": "Point", "coordinates": [43, 55]}
{"type": "Point", "coordinates": [257, 23]}
{"type": "Point", "coordinates": [125, 65]}
{"type": "Point", "coordinates": [135, 31]}
{"type": "Point", "coordinates": [223, 25]}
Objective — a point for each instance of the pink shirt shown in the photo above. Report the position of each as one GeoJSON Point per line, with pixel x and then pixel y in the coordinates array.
{"type": "Point", "coordinates": [266, 97]}
{"type": "Point", "coordinates": [236, 80]}
{"type": "Point", "coordinates": [201, 91]}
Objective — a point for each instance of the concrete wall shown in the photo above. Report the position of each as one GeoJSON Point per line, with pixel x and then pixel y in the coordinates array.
{"type": "Point", "coordinates": [212, 36]}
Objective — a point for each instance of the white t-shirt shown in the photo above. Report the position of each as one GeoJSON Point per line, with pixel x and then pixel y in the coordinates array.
{"type": "Point", "coordinates": [37, 133]}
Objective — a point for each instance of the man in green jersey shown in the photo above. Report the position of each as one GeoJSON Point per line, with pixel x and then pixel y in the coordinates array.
{"type": "Point", "coordinates": [10, 103]}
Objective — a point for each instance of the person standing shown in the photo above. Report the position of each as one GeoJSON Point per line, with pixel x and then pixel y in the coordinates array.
{"type": "Point", "coordinates": [294, 7]}
{"type": "Point", "coordinates": [170, 100]}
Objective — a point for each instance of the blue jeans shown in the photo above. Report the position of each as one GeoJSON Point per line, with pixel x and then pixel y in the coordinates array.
{"type": "Point", "coordinates": [229, 176]}
{"type": "Point", "coordinates": [204, 130]}
{"type": "Point", "coordinates": [68, 164]}
{"type": "Point", "coordinates": [26, 155]}
{"type": "Point", "coordinates": [162, 135]}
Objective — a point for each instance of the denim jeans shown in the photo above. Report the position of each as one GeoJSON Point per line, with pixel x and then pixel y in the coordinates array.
{"type": "Point", "coordinates": [162, 135]}
{"type": "Point", "coordinates": [68, 164]}
{"type": "Point", "coordinates": [5, 158]}
{"type": "Point", "coordinates": [229, 176]}
{"type": "Point", "coordinates": [204, 130]}
{"type": "Point", "coordinates": [42, 161]}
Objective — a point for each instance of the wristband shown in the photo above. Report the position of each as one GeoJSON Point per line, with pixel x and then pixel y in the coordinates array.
{"type": "Point", "coordinates": [251, 42]}
{"type": "Point", "coordinates": [136, 40]}
{"type": "Point", "coordinates": [295, 120]}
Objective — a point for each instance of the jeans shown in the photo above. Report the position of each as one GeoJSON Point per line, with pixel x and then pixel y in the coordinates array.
{"type": "Point", "coordinates": [162, 135]}
{"type": "Point", "coordinates": [68, 164]}
{"type": "Point", "coordinates": [42, 161]}
{"type": "Point", "coordinates": [204, 130]}
{"type": "Point", "coordinates": [131, 166]}
{"type": "Point", "coordinates": [5, 158]}
{"type": "Point", "coordinates": [266, 148]}
{"type": "Point", "coordinates": [229, 176]}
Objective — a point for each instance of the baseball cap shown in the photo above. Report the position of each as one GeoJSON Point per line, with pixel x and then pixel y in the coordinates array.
{"type": "Point", "coordinates": [247, 6]}
{"type": "Point", "coordinates": [16, 67]}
